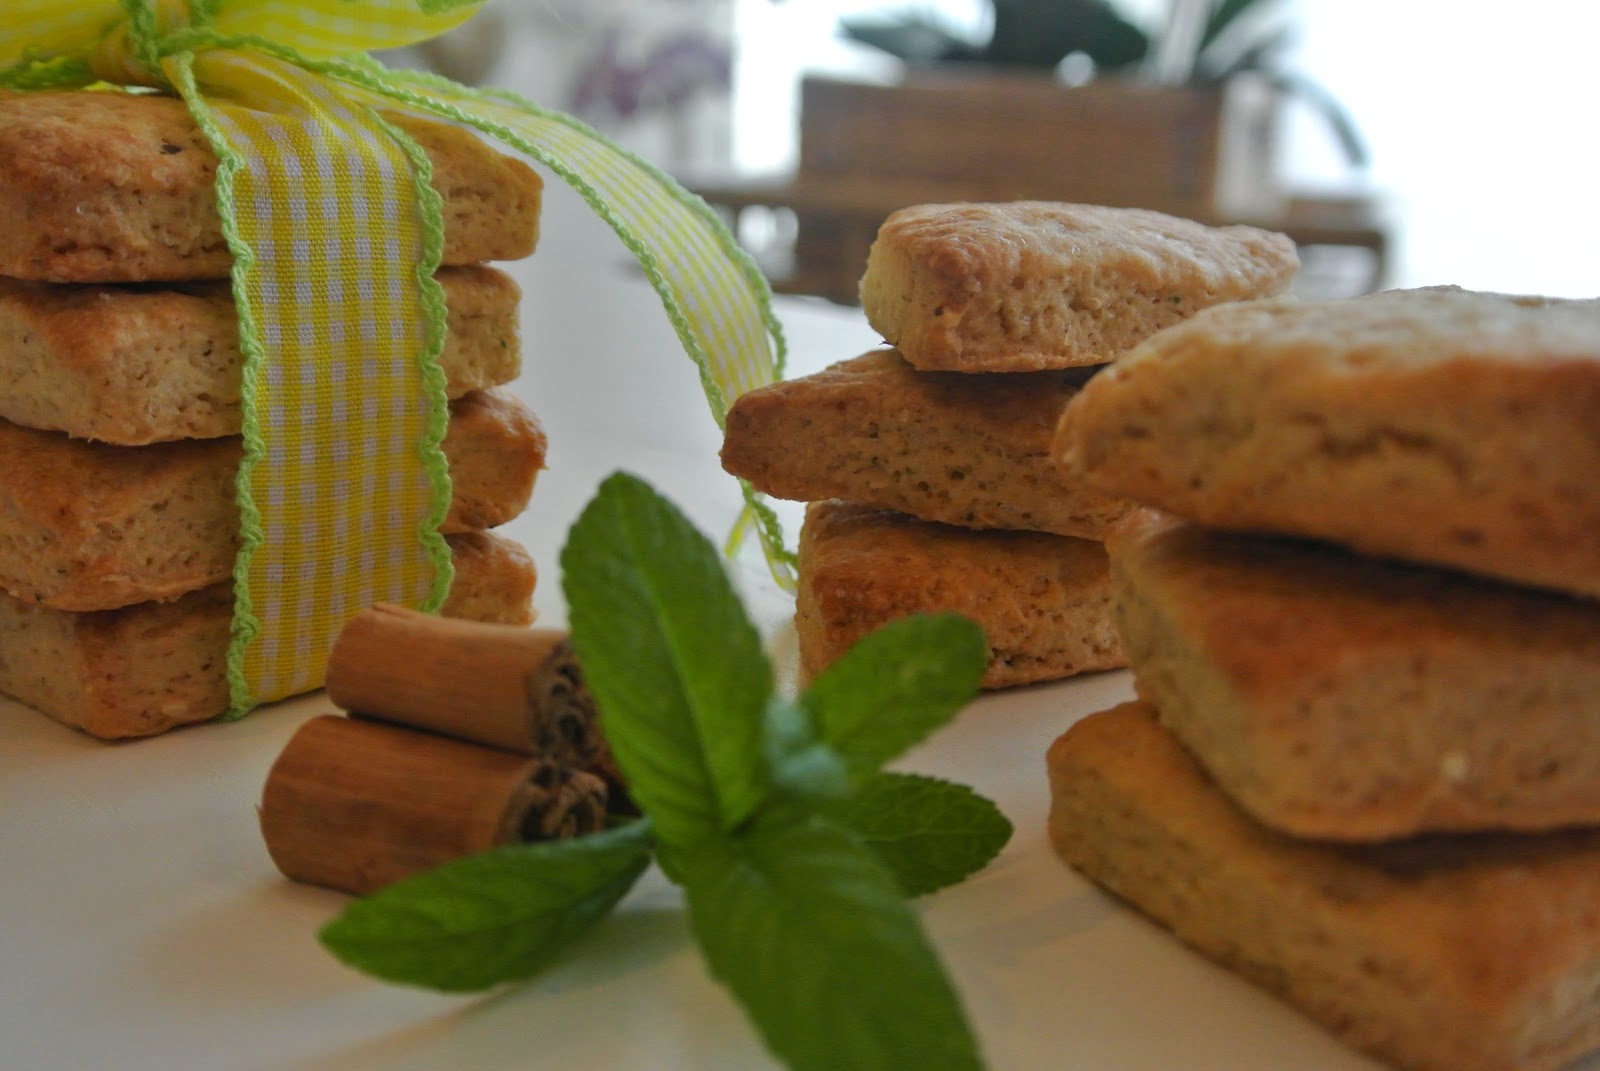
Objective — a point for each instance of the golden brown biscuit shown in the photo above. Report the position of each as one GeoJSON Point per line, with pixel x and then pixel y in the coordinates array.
{"type": "Point", "coordinates": [969, 450]}
{"type": "Point", "coordinates": [1028, 285]}
{"type": "Point", "coordinates": [1464, 953]}
{"type": "Point", "coordinates": [85, 526]}
{"type": "Point", "coordinates": [151, 667]}
{"type": "Point", "coordinates": [1341, 697]}
{"type": "Point", "coordinates": [117, 187]}
{"type": "Point", "coordinates": [1440, 426]}
{"type": "Point", "coordinates": [138, 364]}
{"type": "Point", "coordinates": [1043, 601]}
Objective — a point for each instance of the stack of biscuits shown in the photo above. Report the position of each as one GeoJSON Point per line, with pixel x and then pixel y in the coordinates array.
{"type": "Point", "coordinates": [927, 466]}
{"type": "Point", "coordinates": [1360, 607]}
{"type": "Point", "coordinates": [120, 379]}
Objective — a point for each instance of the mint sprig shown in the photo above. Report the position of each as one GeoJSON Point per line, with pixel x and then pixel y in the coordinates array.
{"type": "Point", "coordinates": [795, 849]}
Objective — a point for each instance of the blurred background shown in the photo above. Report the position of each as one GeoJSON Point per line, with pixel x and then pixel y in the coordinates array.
{"type": "Point", "coordinates": [1403, 142]}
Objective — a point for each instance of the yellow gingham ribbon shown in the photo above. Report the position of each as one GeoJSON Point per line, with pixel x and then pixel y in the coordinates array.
{"type": "Point", "coordinates": [336, 234]}
{"type": "Point", "coordinates": [345, 519]}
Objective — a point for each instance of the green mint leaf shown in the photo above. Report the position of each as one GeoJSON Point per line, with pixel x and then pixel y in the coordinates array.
{"type": "Point", "coordinates": [798, 919]}
{"type": "Point", "coordinates": [896, 686]}
{"type": "Point", "coordinates": [927, 832]}
{"type": "Point", "coordinates": [490, 918]}
{"type": "Point", "coordinates": [676, 667]}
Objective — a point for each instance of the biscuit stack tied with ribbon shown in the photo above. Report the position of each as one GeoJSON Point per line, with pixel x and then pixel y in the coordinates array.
{"type": "Point", "coordinates": [248, 341]}
{"type": "Point", "coordinates": [120, 375]}
{"type": "Point", "coordinates": [1364, 767]}
{"type": "Point", "coordinates": [927, 466]}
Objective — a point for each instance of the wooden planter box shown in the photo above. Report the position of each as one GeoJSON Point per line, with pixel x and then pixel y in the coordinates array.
{"type": "Point", "coordinates": [983, 135]}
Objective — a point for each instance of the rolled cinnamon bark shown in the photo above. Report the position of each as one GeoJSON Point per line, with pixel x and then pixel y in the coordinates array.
{"type": "Point", "coordinates": [357, 805]}
{"type": "Point", "coordinates": [519, 689]}
{"type": "Point", "coordinates": [560, 802]}
{"type": "Point", "coordinates": [565, 724]}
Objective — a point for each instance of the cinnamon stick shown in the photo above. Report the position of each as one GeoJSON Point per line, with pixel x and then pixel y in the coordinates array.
{"type": "Point", "coordinates": [560, 802]}
{"type": "Point", "coordinates": [564, 722]}
{"type": "Point", "coordinates": [356, 805]}
{"type": "Point", "coordinates": [518, 689]}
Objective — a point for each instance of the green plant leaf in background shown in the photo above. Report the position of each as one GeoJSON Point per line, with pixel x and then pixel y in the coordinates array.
{"type": "Point", "coordinates": [896, 686]}
{"type": "Point", "coordinates": [1225, 14]}
{"type": "Point", "coordinates": [1041, 33]}
{"type": "Point", "coordinates": [676, 666]}
{"type": "Point", "coordinates": [810, 933]}
{"type": "Point", "coordinates": [927, 832]}
{"type": "Point", "coordinates": [490, 918]}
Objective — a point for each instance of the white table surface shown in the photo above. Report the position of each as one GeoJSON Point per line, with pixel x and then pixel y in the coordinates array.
{"type": "Point", "coordinates": [142, 925]}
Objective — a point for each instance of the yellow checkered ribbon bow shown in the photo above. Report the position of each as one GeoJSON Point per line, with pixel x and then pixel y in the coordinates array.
{"type": "Point", "coordinates": [336, 234]}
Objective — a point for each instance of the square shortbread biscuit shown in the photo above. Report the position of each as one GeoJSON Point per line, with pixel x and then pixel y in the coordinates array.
{"type": "Point", "coordinates": [1441, 426]}
{"type": "Point", "coordinates": [85, 526]}
{"type": "Point", "coordinates": [1445, 953]}
{"type": "Point", "coordinates": [1029, 285]}
{"type": "Point", "coordinates": [1341, 697]}
{"type": "Point", "coordinates": [1043, 601]}
{"type": "Point", "coordinates": [118, 187]}
{"type": "Point", "coordinates": [969, 450]}
{"type": "Point", "coordinates": [147, 668]}
{"type": "Point", "coordinates": [139, 364]}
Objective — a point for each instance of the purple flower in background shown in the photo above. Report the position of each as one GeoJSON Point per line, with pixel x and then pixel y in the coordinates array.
{"type": "Point", "coordinates": [671, 72]}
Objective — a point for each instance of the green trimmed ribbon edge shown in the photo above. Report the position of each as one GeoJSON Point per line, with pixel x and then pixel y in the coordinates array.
{"type": "Point", "coordinates": [431, 209]}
